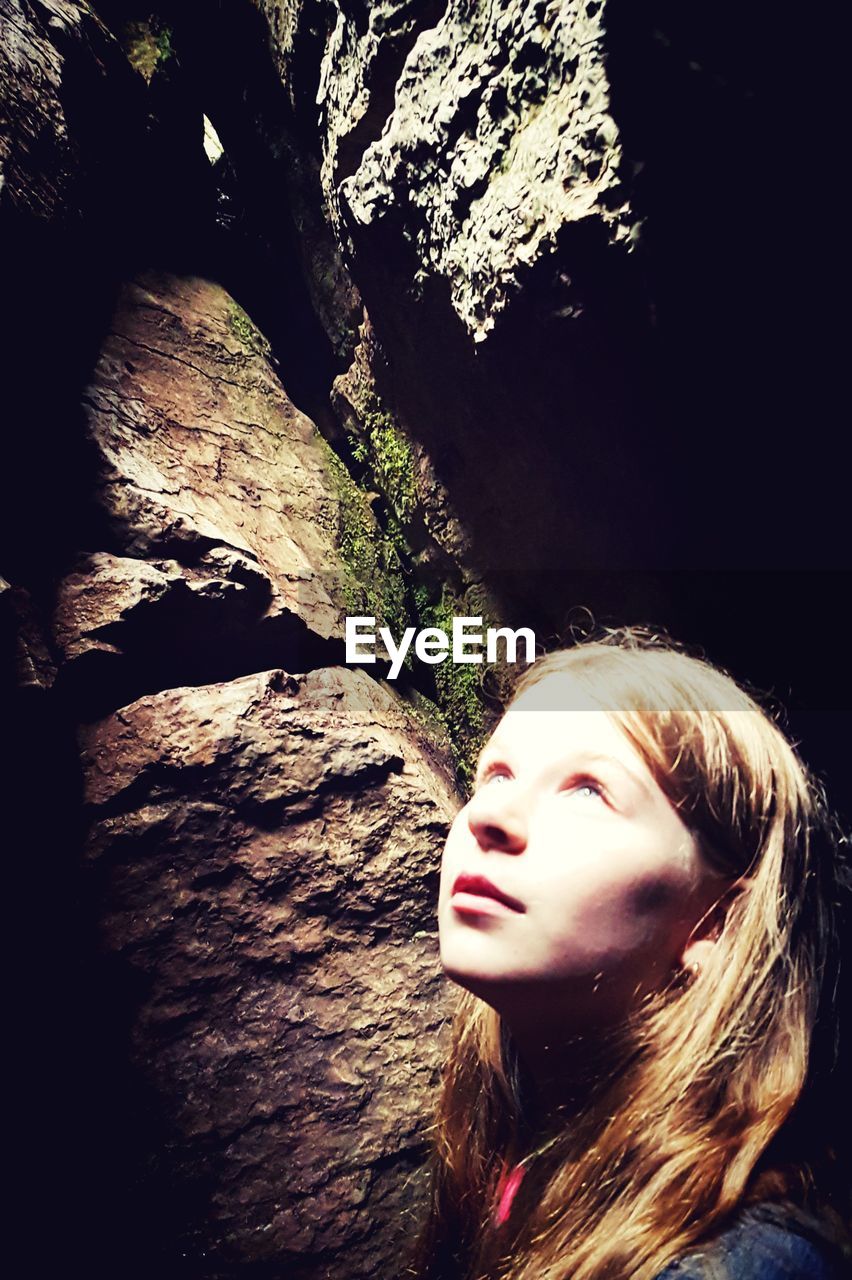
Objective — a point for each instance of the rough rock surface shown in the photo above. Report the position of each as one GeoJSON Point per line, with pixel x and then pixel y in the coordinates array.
{"type": "Point", "coordinates": [202, 448]}
{"type": "Point", "coordinates": [25, 657]}
{"type": "Point", "coordinates": [475, 176]}
{"type": "Point", "coordinates": [262, 849]}
{"type": "Point", "coordinates": [285, 19]}
{"type": "Point", "coordinates": [202, 459]}
{"type": "Point", "coordinates": [66, 95]}
{"type": "Point", "coordinates": [497, 135]}
{"type": "Point", "coordinates": [122, 626]}
{"type": "Point", "coordinates": [265, 858]}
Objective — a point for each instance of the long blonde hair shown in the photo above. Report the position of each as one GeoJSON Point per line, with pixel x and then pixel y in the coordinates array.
{"type": "Point", "coordinates": [728, 1078]}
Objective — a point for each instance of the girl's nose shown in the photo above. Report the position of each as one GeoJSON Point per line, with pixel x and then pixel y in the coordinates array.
{"type": "Point", "coordinates": [497, 823]}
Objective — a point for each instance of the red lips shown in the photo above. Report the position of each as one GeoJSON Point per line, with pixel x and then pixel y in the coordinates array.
{"type": "Point", "coordinates": [483, 888]}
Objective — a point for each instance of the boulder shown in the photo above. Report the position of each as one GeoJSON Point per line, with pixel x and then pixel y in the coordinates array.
{"type": "Point", "coordinates": [250, 540]}
{"type": "Point", "coordinates": [265, 855]}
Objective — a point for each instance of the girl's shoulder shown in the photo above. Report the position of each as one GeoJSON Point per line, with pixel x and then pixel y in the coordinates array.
{"type": "Point", "coordinates": [765, 1242]}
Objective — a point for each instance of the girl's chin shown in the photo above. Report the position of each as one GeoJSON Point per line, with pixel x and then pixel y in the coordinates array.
{"type": "Point", "coordinates": [482, 981]}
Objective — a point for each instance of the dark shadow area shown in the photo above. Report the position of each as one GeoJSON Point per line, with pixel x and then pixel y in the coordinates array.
{"type": "Point", "coordinates": [729, 140]}
{"type": "Point", "coordinates": [89, 1141]}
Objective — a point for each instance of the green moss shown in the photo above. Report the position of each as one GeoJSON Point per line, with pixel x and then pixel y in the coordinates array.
{"type": "Point", "coordinates": [148, 45]}
{"type": "Point", "coordinates": [393, 462]}
{"type": "Point", "coordinates": [360, 452]}
{"type": "Point", "coordinates": [459, 688]}
{"type": "Point", "coordinates": [164, 44]}
{"type": "Point", "coordinates": [246, 331]}
{"type": "Point", "coordinates": [376, 568]}
{"type": "Point", "coordinates": [420, 595]}
{"type": "Point", "coordinates": [373, 576]}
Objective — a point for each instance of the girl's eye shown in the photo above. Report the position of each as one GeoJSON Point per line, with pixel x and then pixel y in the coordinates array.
{"type": "Point", "coordinates": [494, 773]}
{"type": "Point", "coordinates": [587, 787]}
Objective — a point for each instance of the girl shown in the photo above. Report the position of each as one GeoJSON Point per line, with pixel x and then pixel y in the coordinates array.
{"type": "Point", "coordinates": [641, 903]}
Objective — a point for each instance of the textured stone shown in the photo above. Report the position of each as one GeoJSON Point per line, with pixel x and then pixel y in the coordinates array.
{"type": "Point", "coordinates": [200, 449]}
{"type": "Point", "coordinates": [123, 626]}
{"type": "Point", "coordinates": [104, 593]}
{"type": "Point", "coordinates": [25, 656]}
{"type": "Point", "coordinates": [476, 179]}
{"type": "Point", "coordinates": [495, 135]}
{"type": "Point", "coordinates": [66, 93]}
{"type": "Point", "coordinates": [285, 20]}
{"type": "Point", "coordinates": [265, 856]}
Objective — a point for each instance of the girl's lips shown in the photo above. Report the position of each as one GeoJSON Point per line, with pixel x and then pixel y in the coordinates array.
{"type": "Point", "coordinates": [478, 892]}
{"type": "Point", "coordinates": [478, 904]}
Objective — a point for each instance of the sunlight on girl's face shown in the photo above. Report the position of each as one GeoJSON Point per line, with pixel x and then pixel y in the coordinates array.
{"type": "Point", "coordinates": [603, 881]}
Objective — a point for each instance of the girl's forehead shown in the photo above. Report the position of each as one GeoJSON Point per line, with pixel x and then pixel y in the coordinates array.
{"type": "Point", "coordinates": [558, 691]}
{"type": "Point", "coordinates": [547, 731]}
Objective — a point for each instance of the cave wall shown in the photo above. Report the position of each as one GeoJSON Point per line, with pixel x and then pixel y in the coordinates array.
{"type": "Point", "coordinates": [507, 308]}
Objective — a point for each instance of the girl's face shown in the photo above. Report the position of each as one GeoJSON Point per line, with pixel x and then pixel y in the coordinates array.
{"type": "Point", "coordinates": [602, 883]}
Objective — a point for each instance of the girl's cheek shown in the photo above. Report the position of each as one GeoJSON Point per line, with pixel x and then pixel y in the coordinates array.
{"type": "Point", "coordinates": [653, 896]}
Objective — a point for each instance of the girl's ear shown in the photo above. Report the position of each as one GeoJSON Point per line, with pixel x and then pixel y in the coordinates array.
{"type": "Point", "coordinates": [707, 932]}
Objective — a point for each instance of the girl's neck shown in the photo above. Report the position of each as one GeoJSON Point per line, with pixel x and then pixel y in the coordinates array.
{"type": "Point", "coordinates": [562, 1075]}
